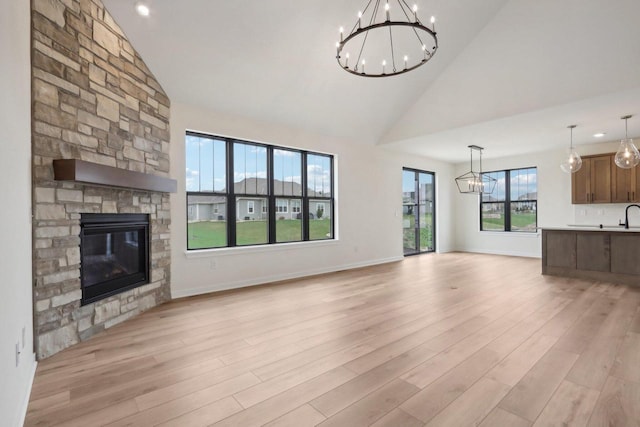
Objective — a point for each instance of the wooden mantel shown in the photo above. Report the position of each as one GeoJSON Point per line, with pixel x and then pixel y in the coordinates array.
{"type": "Point", "coordinates": [94, 173]}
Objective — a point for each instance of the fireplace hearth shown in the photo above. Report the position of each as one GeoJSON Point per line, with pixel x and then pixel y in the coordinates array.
{"type": "Point", "coordinates": [114, 251]}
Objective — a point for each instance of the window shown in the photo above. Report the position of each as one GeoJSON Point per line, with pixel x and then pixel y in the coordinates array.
{"type": "Point", "coordinates": [282, 205]}
{"type": "Point", "coordinates": [243, 193]}
{"type": "Point", "coordinates": [513, 205]}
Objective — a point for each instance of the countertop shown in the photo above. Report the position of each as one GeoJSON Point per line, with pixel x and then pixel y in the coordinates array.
{"type": "Point", "coordinates": [597, 227]}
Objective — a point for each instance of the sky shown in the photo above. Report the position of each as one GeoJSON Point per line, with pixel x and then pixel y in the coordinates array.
{"type": "Point", "coordinates": [206, 165]}
{"type": "Point", "coordinates": [523, 182]}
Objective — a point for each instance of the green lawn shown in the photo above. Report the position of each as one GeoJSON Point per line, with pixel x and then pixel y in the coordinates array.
{"type": "Point", "coordinates": [519, 221]}
{"type": "Point", "coordinates": [426, 234]}
{"type": "Point", "coordinates": [214, 234]}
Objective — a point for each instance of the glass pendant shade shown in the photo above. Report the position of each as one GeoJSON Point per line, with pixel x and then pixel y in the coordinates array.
{"type": "Point", "coordinates": [572, 161]}
{"type": "Point", "coordinates": [628, 155]}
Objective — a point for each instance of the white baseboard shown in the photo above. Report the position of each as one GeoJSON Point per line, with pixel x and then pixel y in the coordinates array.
{"type": "Point", "coordinates": [506, 253]}
{"type": "Point", "coordinates": [182, 293]}
{"type": "Point", "coordinates": [25, 399]}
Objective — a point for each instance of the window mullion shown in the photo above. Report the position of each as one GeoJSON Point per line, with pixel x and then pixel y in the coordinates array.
{"type": "Point", "coordinates": [271, 212]}
{"type": "Point", "coordinates": [231, 197]}
{"type": "Point", "coordinates": [305, 199]}
{"type": "Point", "coordinates": [507, 200]}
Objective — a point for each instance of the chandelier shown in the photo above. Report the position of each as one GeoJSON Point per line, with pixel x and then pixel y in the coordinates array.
{"type": "Point", "coordinates": [386, 41]}
{"type": "Point", "coordinates": [475, 182]}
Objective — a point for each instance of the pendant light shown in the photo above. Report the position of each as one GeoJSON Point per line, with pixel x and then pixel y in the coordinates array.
{"type": "Point", "coordinates": [474, 182]}
{"type": "Point", "coordinates": [572, 163]}
{"type": "Point", "coordinates": [628, 155]}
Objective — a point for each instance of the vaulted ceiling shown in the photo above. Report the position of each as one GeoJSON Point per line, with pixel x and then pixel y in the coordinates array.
{"type": "Point", "coordinates": [509, 75]}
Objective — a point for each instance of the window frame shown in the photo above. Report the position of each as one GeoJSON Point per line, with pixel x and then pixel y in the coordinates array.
{"type": "Point", "coordinates": [507, 202]}
{"type": "Point", "coordinates": [270, 208]}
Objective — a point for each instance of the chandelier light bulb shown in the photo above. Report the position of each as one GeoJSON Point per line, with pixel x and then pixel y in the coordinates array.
{"type": "Point", "coordinates": [406, 58]}
{"type": "Point", "coordinates": [142, 9]}
{"type": "Point", "coordinates": [346, 62]}
{"type": "Point", "coordinates": [341, 33]}
{"type": "Point", "coordinates": [433, 19]}
{"type": "Point", "coordinates": [386, 8]}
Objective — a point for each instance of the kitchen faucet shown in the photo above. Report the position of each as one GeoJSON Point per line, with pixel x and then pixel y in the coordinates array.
{"type": "Point", "coordinates": [626, 215]}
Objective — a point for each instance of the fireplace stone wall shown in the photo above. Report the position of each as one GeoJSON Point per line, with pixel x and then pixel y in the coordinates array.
{"type": "Point", "coordinates": [93, 99]}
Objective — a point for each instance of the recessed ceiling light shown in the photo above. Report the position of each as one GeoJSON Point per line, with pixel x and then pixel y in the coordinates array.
{"type": "Point", "coordinates": [599, 135]}
{"type": "Point", "coordinates": [142, 9]}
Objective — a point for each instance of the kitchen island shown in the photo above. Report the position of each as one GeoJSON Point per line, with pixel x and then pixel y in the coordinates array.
{"type": "Point", "coordinates": [608, 254]}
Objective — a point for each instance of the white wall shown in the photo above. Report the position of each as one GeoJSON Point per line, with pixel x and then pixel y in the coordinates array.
{"type": "Point", "coordinates": [554, 205]}
{"type": "Point", "coordinates": [15, 225]}
{"type": "Point", "coordinates": [369, 198]}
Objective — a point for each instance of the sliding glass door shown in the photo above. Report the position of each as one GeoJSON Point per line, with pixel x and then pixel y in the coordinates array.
{"type": "Point", "coordinates": [418, 211]}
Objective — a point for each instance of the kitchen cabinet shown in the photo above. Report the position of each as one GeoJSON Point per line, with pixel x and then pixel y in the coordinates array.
{"type": "Point", "coordinates": [592, 183]}
{"type": "Point", "coordinates": [624, 183]}
{"type": "Point", "coordinates": [593, 251]}
{"type": "Point", "coordinates": [603, 255]}
{"type": "Point", "coordinates": [625, 253]}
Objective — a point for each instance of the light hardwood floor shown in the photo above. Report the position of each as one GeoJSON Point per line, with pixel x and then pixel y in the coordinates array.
{"type": "Point", "coordinates": [438, 340]}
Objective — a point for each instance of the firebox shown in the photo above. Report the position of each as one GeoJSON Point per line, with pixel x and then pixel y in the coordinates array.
{"type": "Point", "coordinates": [114, 250]}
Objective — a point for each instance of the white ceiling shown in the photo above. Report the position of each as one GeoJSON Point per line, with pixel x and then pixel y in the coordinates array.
{"type": "Point", "coordinates": [509, 75]}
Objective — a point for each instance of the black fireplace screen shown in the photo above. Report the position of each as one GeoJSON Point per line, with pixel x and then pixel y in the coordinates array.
{"type": "Point", "coordinates": [115, 254]}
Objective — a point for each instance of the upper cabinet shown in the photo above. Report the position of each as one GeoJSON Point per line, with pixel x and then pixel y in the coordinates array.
{"type": "Point", "coordinates": [592, 183]}
{"type": "Point", "coordinates": [623, 184]}
{"type": "Point", "coordinates": [599, 180]}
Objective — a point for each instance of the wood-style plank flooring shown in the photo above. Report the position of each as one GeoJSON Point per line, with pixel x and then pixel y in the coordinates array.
{"type": "Point", "coordinates": [438, 340]}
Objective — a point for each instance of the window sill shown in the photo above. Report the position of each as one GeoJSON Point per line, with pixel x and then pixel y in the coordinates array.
{"type": "Point", "coordinates": [512, 233]}
{"type": "Point", "coordinates": [245, 250]}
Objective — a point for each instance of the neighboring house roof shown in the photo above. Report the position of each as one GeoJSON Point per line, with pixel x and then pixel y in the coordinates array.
{"type": "Point", "coordinates": [529, 196]}
{"type": "Point", "coordinates": [259, 186]}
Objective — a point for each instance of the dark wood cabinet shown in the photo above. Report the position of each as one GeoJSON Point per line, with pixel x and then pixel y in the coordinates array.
{"type": "Point", "coordinates": [593, 251]}
{"type": "Point", "coordinates": [623, 184]}
{"type": "Point", "coordinates": [560, 249]}
{"type": "Point", "coordinates": [592, 183]}
{"type": "Point", "coordinates": [581, 184]}
{"type": "Point", "coordinates": [603, 255]}
{"type": "Point", "coordinates": [599, 180]}
{"type": "Point", "coordinates": [625, 253]}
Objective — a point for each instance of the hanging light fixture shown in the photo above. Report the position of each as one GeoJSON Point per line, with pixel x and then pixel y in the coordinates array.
{"type": "Point", "coordinates": [628, 155]}
{"type": "Point", "coordinates": [475, 182]}
{"type": "Point", "coordinates": [572, 163]}
{"type": "Point", "coordinates": [392, 36]}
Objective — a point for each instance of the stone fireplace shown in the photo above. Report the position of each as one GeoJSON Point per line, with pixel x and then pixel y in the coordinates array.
{"type": "Point", "coordinates": [94, 100]}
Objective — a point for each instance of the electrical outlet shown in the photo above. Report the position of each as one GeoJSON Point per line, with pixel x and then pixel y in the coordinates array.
{"type": "Point", "coordinates": [17, 354]}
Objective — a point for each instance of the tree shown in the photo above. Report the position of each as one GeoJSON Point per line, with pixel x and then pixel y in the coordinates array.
{"type": "Point", "coordinates": [319, 212]}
